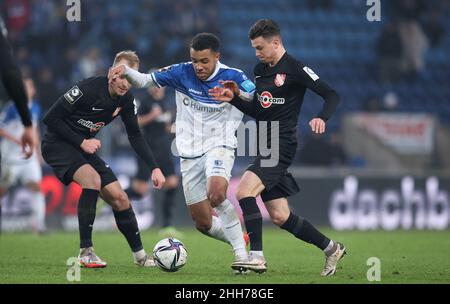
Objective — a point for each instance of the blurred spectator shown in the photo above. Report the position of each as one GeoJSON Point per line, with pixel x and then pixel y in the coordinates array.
{"type": "Point", "coordinates": [415, 44]}
{"type": "Point", "coordinates": [434, 28]}
{"type": "Point", "coordinates": [390, 51]}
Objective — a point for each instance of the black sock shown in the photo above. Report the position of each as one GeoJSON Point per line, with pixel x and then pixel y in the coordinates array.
{"type": "Point", "coordinates": [132, 194]}
{"type": "Point", "coordinates": [127, 224]}
{"type": "Point", "coordinates": [168, 206]}
{"type": "Point", "coordinates": [86, 215]}
{"type": "Point", "coordinates": [253, 222]}
{"type": "Point", "coordinates": [305, 231]}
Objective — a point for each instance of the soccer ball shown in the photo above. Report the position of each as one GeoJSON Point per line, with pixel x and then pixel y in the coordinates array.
{"type": "Point", "coordinates": [170, 254]}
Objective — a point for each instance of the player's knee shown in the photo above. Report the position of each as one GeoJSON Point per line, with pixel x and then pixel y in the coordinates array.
{"type": "Point", "coordinates": [121, 201]}
{"type": "Point", "coordinates": [242, 193]}
{"type": "Point", "coordinates": [203, 225]}
{"type": "Point", "coordinates": [278, 217]}
{"type": "Point", "coordinates": [92, 181]}
{"type": "Point", "coordinates": [216, 198]}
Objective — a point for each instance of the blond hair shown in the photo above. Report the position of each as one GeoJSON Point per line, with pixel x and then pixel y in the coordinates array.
{"type": "Point", "coordinates": [130, 56]}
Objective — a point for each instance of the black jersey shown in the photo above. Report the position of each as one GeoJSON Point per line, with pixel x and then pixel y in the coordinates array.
{"type": "Point", "coordinates": [86, 108]}
{"type": "Point", "coordinates": [279, 96]}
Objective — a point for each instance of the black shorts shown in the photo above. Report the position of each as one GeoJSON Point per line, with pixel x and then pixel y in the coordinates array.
{"type": "Point", "coordinates": [65, 160]}
{"type": "Point", "coordinates": [278, 182]}
{"type": "Point", "coordinates": [163, 155]}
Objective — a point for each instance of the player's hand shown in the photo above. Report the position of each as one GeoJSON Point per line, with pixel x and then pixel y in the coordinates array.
{"type": "Point", "coordinates": [231, 85]}
{"type": "Point", "coordinates": [158, 178]}
{"type": "Point", "coordinates": [91, 145]}
{"type": "Point", "coordinates": [28, 142]}
{"type": "Point", "coordinates": [116, 72]}
{"type": "Point", "coordinates": [317, 125]}
{"type": "Point", "coordinates": [221, 94]}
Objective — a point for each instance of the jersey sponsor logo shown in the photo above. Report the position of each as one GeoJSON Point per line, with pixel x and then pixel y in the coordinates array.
{"type": "Point", "coordinates": [311, 73]}
{"type": "Point", "coordinates": [266, 99]}
{"type": "Point", "coordinates": [195, 91]}
{"type": "Point", "coordinates": [248, 86]}
{"type": "Point", "coordinates": [96, 109]}
{"type": "Point", "coordinates": [198, 107]}
{"type": "Point", "coordinates": [73, 95]}
{"type": "Point", "coordinates": [279, 79]}
{"type": "Point", "coordinates": [93, 127]}
{"type": "Point", "coordinates": [117, 111]}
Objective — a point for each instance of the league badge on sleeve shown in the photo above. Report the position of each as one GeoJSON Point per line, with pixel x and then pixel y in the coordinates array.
{"type": "Point", "coordinates": [279, 79]}
{"type": "Point", "coordinates": [73, 95]}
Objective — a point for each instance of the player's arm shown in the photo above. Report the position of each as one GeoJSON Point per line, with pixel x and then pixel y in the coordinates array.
{"type": "Point", "coordinates": [168, 76]}
{"type": "Point", "coordinates": [137, 79]}
{"type": "Point", "coordinates": [240, 97]}
{"type": "Point", "coordinates": [9, 137]}
{"type": "Point", "coordinates": [54, 119]}
{"type": "Point", "coordinates": [308, 78]}
{"type": "Point", "coordinates": [139, 144]}
{"type": "Point", "coordinates": [12, 80]}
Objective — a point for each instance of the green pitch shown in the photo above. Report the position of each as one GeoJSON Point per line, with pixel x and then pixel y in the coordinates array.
{"type": "Point", "coordinates": [405, 257]}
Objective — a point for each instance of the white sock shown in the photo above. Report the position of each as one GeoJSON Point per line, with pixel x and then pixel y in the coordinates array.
{"type": "Point", "coordinates": [232, 227]}
{"type": "Point", "coordinates": [139, 255]}
{"type": "Point", "coordinates": [38, 208]}
{"type": "Point", "coordinates": [216, 230]}
{"type": "Point", "coordinates": [257, 253]}
{"type": "Point", "coordinates": [329, 247]}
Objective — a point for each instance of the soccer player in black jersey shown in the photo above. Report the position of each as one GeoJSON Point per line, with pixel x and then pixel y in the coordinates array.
{"type": "Point", "coordinates": [281, 82]}
{"type": "Point", "coordinates": [69, 147]}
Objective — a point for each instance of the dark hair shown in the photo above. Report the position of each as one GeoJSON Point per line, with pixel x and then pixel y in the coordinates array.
{"type": "Point", "coordinates": [204, 41]}
{"type": "Point", "coordinates": [267, 28]}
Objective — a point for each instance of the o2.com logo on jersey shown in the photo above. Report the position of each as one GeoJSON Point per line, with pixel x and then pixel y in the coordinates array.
{"type": "Point", "coordinates": [93, 127]}
{"type": "Point", "coordinates": [266, 99]}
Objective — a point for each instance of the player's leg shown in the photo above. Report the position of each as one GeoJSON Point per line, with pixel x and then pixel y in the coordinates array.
{"type": "Point", "coordinates": [90, 182]}
{"type": "Point", "coordinates": [250, 186]}
{"type": "Point", "coordinates": [170, 190]}
{"type": "Point", "coordinates": [231, 225]}
{"type": "Point", "coordinates": [205, 222]}
{"type": "Point", "coordinates": [126, 221]}
{"type": "Point", "coordinates": [70, 164]}
{"type": "Point", "coordinates": [218, 165]}
{"type": "Point", "coordinates": [302, 229]}
{"type": "Point", "coordinates": [31, 176]}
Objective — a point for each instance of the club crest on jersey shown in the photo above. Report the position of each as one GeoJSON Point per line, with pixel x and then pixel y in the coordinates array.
{"type": "Point", "coordinates": [117, 111]}
{"type": "Point", "coordinates": [266, 99]}
{"type": "Point", "coordinates": [279, 79]}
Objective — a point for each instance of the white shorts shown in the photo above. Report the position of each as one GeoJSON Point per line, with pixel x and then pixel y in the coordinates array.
{"type": "Point", "coordinates": [23, 173]}
{"type": "Point", "coordinates": [195, 172]}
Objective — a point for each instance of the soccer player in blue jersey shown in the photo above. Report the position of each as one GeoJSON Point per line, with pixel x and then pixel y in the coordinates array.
{"type": "Point", "coordinates": [16, 168]}
{"type": "Point", "coordinates": [205, 136]}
